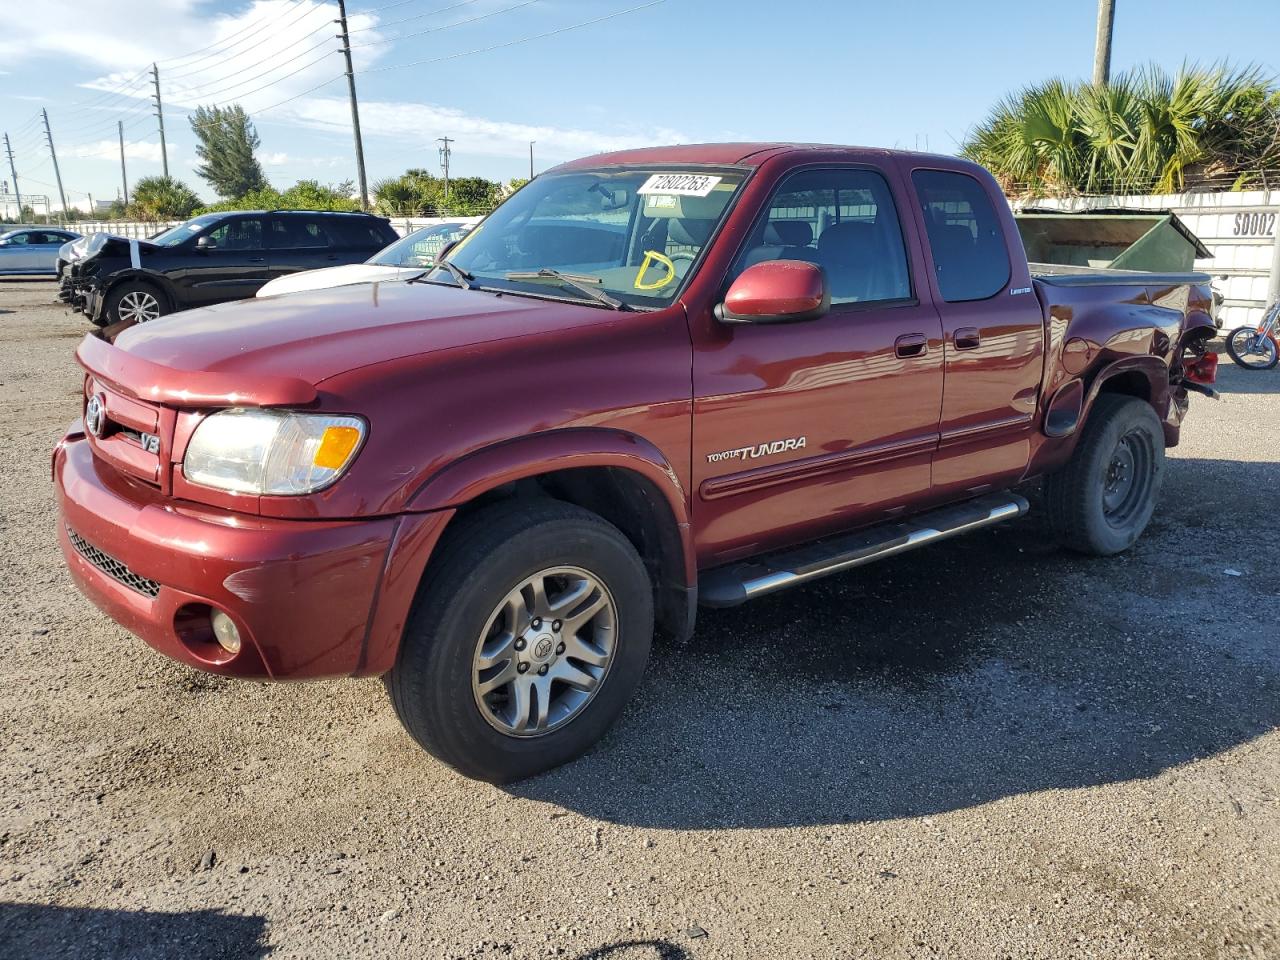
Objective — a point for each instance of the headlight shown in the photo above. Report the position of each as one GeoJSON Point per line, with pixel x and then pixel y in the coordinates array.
{"type": "Point", "coordinates": [271, 451]}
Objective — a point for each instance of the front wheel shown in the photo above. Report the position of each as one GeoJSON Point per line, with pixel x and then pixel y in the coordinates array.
{"type": "Point", "coordinates": [530, 633]}
{"type": "Point", "coordinates": [1102, 499]}
{"type": "Point", "coordinates": [1251, 349]}
{"type": "Point", "coordinates": [132, 302]}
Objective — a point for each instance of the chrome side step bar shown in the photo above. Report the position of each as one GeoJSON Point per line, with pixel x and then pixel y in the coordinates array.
{"type": "Point", "coordinates": [736, 583]}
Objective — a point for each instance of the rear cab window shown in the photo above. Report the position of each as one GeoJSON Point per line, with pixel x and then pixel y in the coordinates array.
{"type": "Point", "coordinates": [843, 220]}
{"type": "Point", "coordinates": [970, 256]}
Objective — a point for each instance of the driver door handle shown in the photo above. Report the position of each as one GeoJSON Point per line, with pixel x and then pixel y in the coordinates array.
{"type": "Point", "coordinates": [911, 345]}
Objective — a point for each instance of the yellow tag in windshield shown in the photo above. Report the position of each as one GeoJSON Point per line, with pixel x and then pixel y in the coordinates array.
{"type": "Point", "coordinates": [651, 257]}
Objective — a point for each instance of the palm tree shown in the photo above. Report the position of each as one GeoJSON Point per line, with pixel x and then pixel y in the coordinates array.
{"type": "Point", "coordinates": [162, 198]}
{"type": "Point", "coordinates": [1146, 131]}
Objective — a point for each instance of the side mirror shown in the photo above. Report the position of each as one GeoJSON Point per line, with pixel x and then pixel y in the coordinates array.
{"type": "Point", "coordinates": [206, 243]}
{"type": "Point", "coordinates": [777, 291]}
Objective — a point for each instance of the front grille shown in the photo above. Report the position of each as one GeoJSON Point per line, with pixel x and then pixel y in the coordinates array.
{"type": "Point", "coordinates": [112, 567]}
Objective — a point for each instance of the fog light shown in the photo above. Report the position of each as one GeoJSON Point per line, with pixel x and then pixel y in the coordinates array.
{"type": "Point", "coordinates": [225, 631]}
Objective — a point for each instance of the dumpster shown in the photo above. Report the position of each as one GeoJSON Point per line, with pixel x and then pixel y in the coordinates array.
{"type": "Point", "coordinates": [1113, 239]}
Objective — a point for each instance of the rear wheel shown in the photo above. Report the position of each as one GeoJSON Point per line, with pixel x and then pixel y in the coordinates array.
{"type": "Point", "coordinates": [134, 302]}
{"type": "Point", "coordinates": [1252, 350]}
{"type": "Point", "coordinates": [530, 633]}
{"type": "Point", "coordinates": [1103, 498]}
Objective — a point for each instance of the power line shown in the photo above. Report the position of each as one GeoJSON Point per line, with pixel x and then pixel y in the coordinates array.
{"type": "Point", "coordinates": [198, 94]}
{"type": "Point", "coordinates": [253, 46]}
{"type": "Point", "coordinates": [269, 107]}
{"type": "Point", "coordinates": [417, 16]}
{"type": "Point", "coordinates": [255, 26]}
{"type": "Point", "coordinates": [447, 26]}
{"type": "Point", "coordinates": [512, 43]}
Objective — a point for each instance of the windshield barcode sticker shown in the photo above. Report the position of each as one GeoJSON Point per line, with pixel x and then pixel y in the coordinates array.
{"type": "Point", "coordinates": [680, 184]}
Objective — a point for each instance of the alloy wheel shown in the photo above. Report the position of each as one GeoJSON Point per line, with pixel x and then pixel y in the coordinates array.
{"type": "Point", "coordinates": [138, 306]}
{"type": "Point", "coordinates": [544, 652]}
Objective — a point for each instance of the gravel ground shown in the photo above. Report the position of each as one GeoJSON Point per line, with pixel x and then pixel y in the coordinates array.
{"type": "Point", "coordinates": [986, 749]}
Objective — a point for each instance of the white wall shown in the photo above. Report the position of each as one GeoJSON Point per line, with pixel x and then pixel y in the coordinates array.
{"type": "Point", "coordinates": [1239, 229]}
{"type": "Point", "coordinates": [141, 230]}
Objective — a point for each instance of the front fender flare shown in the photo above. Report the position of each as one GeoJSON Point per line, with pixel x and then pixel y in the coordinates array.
{"type": "Point", "coordinates": [508, 461]}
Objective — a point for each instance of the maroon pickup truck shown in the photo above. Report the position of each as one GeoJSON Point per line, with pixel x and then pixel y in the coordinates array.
{"type": "Point", "coordinates": [649, 380]}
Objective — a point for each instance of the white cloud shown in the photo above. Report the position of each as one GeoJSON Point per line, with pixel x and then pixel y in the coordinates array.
{"type": "Point", "coordinates": [110, 150]}
{"type": "Point", "coordinates": [261, 45]}
{"type": "Point", "coordinates": [418, 122]}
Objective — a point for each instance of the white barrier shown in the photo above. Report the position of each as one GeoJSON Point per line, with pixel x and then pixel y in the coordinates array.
{"type": "Point", "coordinates": [141, 229]}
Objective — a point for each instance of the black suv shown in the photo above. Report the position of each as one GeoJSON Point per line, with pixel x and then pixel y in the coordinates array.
{"type": "Point", "coordinates": [212, 258]}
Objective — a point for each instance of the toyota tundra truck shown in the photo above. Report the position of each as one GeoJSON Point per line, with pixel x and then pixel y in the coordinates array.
{"type": "Point", "coordinates": [649, 380]}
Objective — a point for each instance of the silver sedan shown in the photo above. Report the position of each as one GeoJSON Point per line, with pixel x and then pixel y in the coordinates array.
{"type": "Point", "coordinates": [32, 250]}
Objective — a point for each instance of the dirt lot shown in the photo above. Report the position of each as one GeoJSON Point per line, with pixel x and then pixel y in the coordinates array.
{"type": "Point", "coordinates": [988, 749]}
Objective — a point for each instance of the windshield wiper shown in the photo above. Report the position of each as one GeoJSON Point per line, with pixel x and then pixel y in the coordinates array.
{"type": "Point", "coordinates": [464, 279]}
{"type": "Point", "coordinates": [577, 281]}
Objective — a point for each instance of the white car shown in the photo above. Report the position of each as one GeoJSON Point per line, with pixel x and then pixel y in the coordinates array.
{"type": "Point", "coordinates": [408, 257]}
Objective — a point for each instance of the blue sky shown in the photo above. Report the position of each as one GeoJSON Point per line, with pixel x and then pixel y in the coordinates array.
{"type": "Point", "coordinates": [903, 74]}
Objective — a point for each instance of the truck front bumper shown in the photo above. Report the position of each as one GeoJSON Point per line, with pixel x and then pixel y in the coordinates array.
{"type": "Point", "coordinates": [310, 598]}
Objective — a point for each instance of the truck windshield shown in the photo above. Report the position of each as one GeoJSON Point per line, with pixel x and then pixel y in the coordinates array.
{"type": "Point", "coordinates": [633, 234]}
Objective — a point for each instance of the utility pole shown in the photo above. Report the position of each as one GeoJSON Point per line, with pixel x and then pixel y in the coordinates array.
{"type": "Point", "coordinates": [444, 162]}
{"type": "Point", "coordinates": [57, 174]}
{"type": "Point", "coordinates": [164, 150]}
{"type": "Point", "coordinates": [1102, 43]}
{"type": "Point", "coordinates": [531, 143]}
{"type": "Point", "coordinates": [355, 110]}
{"type": "Point", "coordinates": [124, 177]}
{"type": "Point", "coordinates": [14, 170]}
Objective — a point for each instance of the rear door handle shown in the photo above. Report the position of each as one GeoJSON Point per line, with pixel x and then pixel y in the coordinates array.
{"type": "Point", "coordinates": [966, 338]}
{"type": "Point", "coordinates": [257, 259]}
{"type": "Point", "coordinates": [911, 345]}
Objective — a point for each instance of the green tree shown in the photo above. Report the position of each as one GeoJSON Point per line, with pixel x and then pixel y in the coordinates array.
{"type": "Point", "coordinates": [226, 141]}
{"type": "Point", "coordinates": [1146, 131]}
{"type": "Point", "coordinates": [469, 196]}
{"type": "Point", "coordinates": [414, 193]}
{"type": "Point", "coordinates": [303, 195]}
{"type": "Point", "coordinates": [162, 198]}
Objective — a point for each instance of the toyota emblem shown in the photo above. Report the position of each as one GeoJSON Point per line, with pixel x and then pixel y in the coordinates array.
{"type": "Point", "coordinates": [95, 414]}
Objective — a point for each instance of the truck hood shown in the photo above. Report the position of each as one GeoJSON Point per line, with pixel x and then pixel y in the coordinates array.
{"type": "Point", "coordinates": [337, 277]}
{"type": "Point", "coordinates": [319, 334]}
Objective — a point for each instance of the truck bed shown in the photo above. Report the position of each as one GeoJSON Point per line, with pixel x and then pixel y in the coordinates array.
{"type": "Point", "coordinates": [1063, 275]}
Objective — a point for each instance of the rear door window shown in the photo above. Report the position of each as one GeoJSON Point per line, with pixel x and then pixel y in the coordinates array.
{"type": "Point", "coordinates": [970, 255]}
{"type": "Point", "coordinates": [299, 233]}
{"type": "Point", "coordinates": [361, 233]}
{"type": "Point", "coordinates": [844, 221]}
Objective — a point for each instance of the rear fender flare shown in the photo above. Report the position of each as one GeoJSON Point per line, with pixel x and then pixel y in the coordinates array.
{"type": "Point", "coordinates": [1153, 368]}
{"type": "Point", "coordinates": [494, 466]}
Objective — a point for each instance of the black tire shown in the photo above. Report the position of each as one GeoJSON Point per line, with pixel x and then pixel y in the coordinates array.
{"type": "Point", "coordinates": [1078, 494]}
{"type": "Point", "coordinates": [140, 289]}
{"type": "Point", "coordinates": [481, 562]}
{"type": "Point", "coordinates": [1249, 364]}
